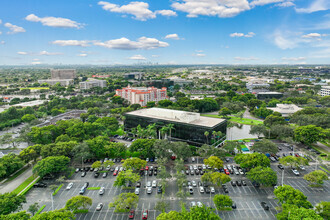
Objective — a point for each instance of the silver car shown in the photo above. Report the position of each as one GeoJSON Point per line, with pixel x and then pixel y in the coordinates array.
{"type": "Point", "coordinates": [154, 183]}
{"type": "Point", "coordinates": [101, 192]}
{"type": "Point", "coordinates": [149, 190]}
{"type": "Point", "coordinates": [69, 186]}
{"type": "Point", "coordinates": [149, 184]}
{"type": "Point", "coordinates": [137, 191]}
{"type": "Point", "coordinates": [193, 183]}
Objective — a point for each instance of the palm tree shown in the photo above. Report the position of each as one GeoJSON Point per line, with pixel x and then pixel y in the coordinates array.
{"type": "Point", "coordinates": [214, 133]}
{"type": "Point", "coordinates": [170, 128]}
{"type": "Point", "coordinates": [206, 133]}
{"type": "Point", "coordinates": [163, 131]}
{"type": "Point", "coordinates": [134, 131]}
{"type": "Point", "coordinates": [151, 130]}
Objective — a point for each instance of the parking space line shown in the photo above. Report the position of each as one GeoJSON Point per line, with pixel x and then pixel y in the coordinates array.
{"type": "Point", "coordinates": [250, 209]}
{"type": "Point", "coordinates": [256, 209]}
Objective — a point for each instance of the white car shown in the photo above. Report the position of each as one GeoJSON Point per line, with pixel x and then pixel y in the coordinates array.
{"type": "Point", "coordinates": [193, 159]}
{"type": "Point", "coordinates": [193, 183]}
{"type": "Point", "coordinates": [191, 190]}
{"type": "Point", "coordinates": [236, 172]}
{"type": "Point", "coordinates": [301, 167]}
{"type": "Point", "coordinates": [199, 204]}
{"type": "Point", "coordinates": [101, 192]}
{"type": "Point", "coordinates": [192, 204]}
{"type": "Point", "coordinates": [201, 189]}
{"type": "Point", "coordinates": [295, 172]}
{"type": "Point", "coordinates": [204, 167]}
{"type": "Point", "coordinates": [149, 184]}
{"type": "Point", "coordinates": [149, 190]}
{"type": "Point", "coordinates": [69, 186]}
{"type": "Point", "coordinates": [117, 168]}
{"type": "Point", "coordinates": [212, 189]}
{"type": "Point", "coordinates": [195, 167]}
{"type": "Point", "coordinates": [225, 167]}
{"type": "Point", "coordinates": [241, 172]}
{"type": "Point", "coordinates": [108, 168]}
{"type": "Point", "coordinates": [137, 191]}
{"type": "Point", "coordinates": [154, 183]}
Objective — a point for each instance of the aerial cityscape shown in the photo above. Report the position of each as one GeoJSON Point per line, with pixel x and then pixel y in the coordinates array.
{"type": "Point", "coordinates": [165, 110]}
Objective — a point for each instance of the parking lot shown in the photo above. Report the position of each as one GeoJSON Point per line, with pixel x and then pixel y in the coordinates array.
{"type": "Point", "coordinates": [247, 198]}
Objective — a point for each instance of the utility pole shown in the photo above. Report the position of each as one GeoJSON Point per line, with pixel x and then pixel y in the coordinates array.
{"type": "Point", "coordinates": [52, 202]}
{"type": "Point", "coordinates": [282, 176]}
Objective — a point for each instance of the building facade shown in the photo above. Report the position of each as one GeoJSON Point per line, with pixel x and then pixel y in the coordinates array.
{"type": "Point", "coordinates": [189, 127]}
{"type": "Point", "coordinates": [142, 95]}
{"type": "Point", "coordinates": [325, 91]}
{"type": "Point", "coordinates": [134, 75]}
{"type": "Point", "coordinates": [93, 83]}
{"type": "Point", "coordinates": [285, 109]}
{"type": "Point", "coordinates": [253, 86]}
{"type": "Point", "coordinates": [269, 95]}
{"type": "Point", "coordinates": [51, 82]}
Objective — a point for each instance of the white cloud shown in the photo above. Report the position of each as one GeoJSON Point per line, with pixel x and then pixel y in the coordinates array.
{"type": "Point", "coordinates": [81, 43]}
{"type": "Point", "coordinates": [250, 34]}
{"type": "Point", "coordinates": [285, 4]}
{"type": "Point", "coordinates": [36, 63]}
{"type": "Point", "coordinates": [35, 59]}
{"type": "Point", "coordinates": [173, 37]}
{"type": "Point", "coordinates": [139, 9]}
{"type": "Point", "coordinates": [199, 51]}
{"type": "Point", "coordinates": [285, 40]}
{"type": "Point", "coordinates": [293, 58]}
{"type": "Point", "coordinates": [82, 55]}
{"type": "Point", "coordinates": [2, 42]}
{"type": "Point", "coordinates": [154, 55]}
{"type": "Point", "coordinates": [54, 21]}
{"type": "Point", "coordinates": [14, 29]}
{"type": "Point", "coordinates": [168, 13]}
{"type": "Point", "coordinates": [199, 55]}
{"type": "Point", "coordinates": [0, 32]}
{"type": "Point", "coordinates": [137, 57]}
{"type": "Point", "coordinates": [264, 2]}
{"type": "Point", "coordinates": [312, 35]}
{"type": "Point", "coordinates": [126, 44]}
{"type": "Point", "coordinates": [317, 5]}
{"type": "Point", "coordinates": [245, 58]}
{"type": "Point", "coordinates": [22, 53]}
{"type": "Point", "coordinates": [220, 8]}
{"type": "Point", "coordinates": [0, 21]}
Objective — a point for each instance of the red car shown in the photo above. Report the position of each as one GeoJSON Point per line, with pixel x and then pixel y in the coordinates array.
{"type": "Point", "coordinates": [226, 172]}
{"type": "Point", "coordinates": [297, 155]}
{"type": "Point", "coordinates": [147, 168]}
{"type": "Point", "coordinates": [115, 173]}
{"type": "Point", "coordinates": [145, 214]}
{"type": "Point", "coordinates": [131, 214]}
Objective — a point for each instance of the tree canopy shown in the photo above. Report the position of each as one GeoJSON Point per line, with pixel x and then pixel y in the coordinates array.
{"type": "Point", "coordinates": [252, 160]}
{"type": "Point", "coordinates": [263, 175]}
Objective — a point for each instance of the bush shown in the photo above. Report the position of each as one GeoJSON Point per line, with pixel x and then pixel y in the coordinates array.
{"type": "Point", "coordinates": [58, 189]}
{"type": "Point", "coordinates": [81, 211]}
{"type": "Point", "coordinates": [40, 210]}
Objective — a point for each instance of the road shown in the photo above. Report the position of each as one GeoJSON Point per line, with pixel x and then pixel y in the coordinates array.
{"type": "Point", "coordinates": [10, 186]}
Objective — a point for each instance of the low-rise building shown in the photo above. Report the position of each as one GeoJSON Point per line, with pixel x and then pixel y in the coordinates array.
{"type": "Point", "coordinates": [51, 82]}
{"type": "Point", "coordinates": [188, 126]}
{"type": "Point", "coordinates": [285, 109]}
{"type": "Point", "coordinates": [324, 91]}
{"type": "Point", "coordinates": [134, 75]}
{"type": "Point", "coordinates": [269, 95]}
{"type": "Point", "coordinates": [93, 83]}
{"type": "Point", "coordinates": [142, 95]}
{"type": "Point", "coordinates": [252, 86]}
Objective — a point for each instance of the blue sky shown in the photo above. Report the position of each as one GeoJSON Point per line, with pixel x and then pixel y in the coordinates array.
{"type": "Point", "coordinates": [164, 31]}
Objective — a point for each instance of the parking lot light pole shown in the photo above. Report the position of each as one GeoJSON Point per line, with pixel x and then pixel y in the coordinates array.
{"type": "Point", "coordinates": [82, 158]}
{"type": "Point", "coordinates": [52, 202]}
{"type": "Point", "coordinates": [282, 176]}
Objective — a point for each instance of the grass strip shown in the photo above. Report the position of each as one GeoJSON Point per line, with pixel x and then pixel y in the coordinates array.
{"type": "Point", "coordinates": [40, 210]}
{"type": "Point", "coordinates": [58, 189]}
{"type": "Point", "coordinates": [24, 184]}
{"type": "Point", "coordinates": [323, 168]}
{"type": "Point", "coordinates": [29, 187]}
{"type": "Point", "coordinates": [93, 188]}
{"type": "Point", "coordinates": [245, 121]}
{"type": "Point", "coordinates": [16, 174]}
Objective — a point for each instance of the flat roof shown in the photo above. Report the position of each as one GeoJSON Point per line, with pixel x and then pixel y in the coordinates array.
{"type": "Point", "coordinates": [192, 118]}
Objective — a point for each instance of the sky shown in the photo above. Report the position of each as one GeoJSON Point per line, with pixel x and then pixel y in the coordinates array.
{"type": "Point", "coordinates": [114, 32]}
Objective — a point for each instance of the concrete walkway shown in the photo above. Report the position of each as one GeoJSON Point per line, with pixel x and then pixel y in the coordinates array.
{"type": "Point", "coordinates": [10, 186]}
{"type": "Point", "coordinates": [324, 147]}
{"type": "Point", "coordinates": [248, 115]}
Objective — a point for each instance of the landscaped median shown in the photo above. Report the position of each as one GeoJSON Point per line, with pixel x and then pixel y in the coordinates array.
{"type": "Point", "coordinates": [40, 210]}
{"type": "Point", "coordinates": [244, 121]}
{"type": "Point", "coordinates": [26, 185]}
{"type": "Point", "coordinates": [58, 189]}
{"type": "Point", "coordinates": [93, 188]}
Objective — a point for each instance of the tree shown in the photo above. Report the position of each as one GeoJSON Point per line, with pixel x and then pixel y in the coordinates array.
{"type": "Point", "coordinates": [33, 208]}
{"type": "Point", "coordinates": [258, 130]}
{"type": "Point", "coordinates": [125, 177]}
{"type": "Point", "coordinates": [293, 212]}
{"type": "Point", "coordinates": [172, 215]}
{"type": "Point", "coordinates": [170, 128]}
{"type": "Point", "coordinates": [206, 133]}
{"type": "Point", "coordinates": [274, 120]}
{"type": "Point", "coordinates": [230, 147]}
{"type": "Point", "coordinates": [181, 150]}
{"type": "Point", "coordinates": [16, 216]}
{"type": "Point", "coordinates": [222, 201]}
{"type": "Point", "coordinates": [219, 178]}
{"type": "Point", "coordinates": [214, 162]}
{"type": "Point", "coordinates": [78, 203]}
{"type": "Point", "coordinates": [205, 150]}
{"type": "Point", "coordinates": [161, 149]}
{"type": "Point", "coordinates": [96, 164]}
{"type": "Point", "coordinates": [162, 205]}
{"type": "Point", "coordinates": [263, 175]}
{"type": "Point", "coordinates": [201, 213]}
{"type": "Point", "coordinates": [281, 131]}
{"type": "Point", "coordinates": [144, 146]}
{"type": "Point", "coordinates": [288, 195]}
{"type": "Point", "coordinates": [207, 177]}
{"type": "Point", "coordinates": [151, 104]}
{"type": "Point", "coordinates": [124, 202]}
{"type": "Point", "coordinates": [308, 134]}
{"type": "Point", "coordinates": [81, 151]}
{"type": "Point", "coordinates": [28, 118]}
{"type": "Point", "coordinates": [323, 209]}
{"type": "Point", "coordinates": [316, 177]}
{"type": "Point", "coordinates": [134, 163]}
{"type": "Point", "coordinates": [83, 117]}
{"type": "Point", "coordinates": [224, 112]}
{"type": "Point", "coordinates": [265, 146]}
{"type": "Point", "coordinates": [252, 160]}
{"type": "Point", "coordinates": [62, 214]}
{"type": "Point", "coordinates": [293, 161]}
{"type": "Point", "coordinates": [10, 202]}
{"type": "Point", "coordinates": [51, 165]}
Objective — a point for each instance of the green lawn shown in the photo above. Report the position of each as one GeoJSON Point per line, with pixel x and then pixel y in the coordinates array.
{"type": "Point", "coordinates": [245, 121]}
{"type": "Point", "coordinates": [34, 88]}
{"type": "Point", "coordinates": [40, 210]}
{"type": "Point", "coordinates": [120, 132]}
{"type": "Point", "coordinates": [58, 189]}
{"type": "Point", "coordinates": [93, 188]}
{"type": "Point", "coordinates": [25, 184]}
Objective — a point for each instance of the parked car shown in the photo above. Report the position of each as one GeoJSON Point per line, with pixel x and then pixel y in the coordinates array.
{"type": "Point", "coordinates": [243, 183]}
{"type": "Point", "coordinates": [201, 189]}
{"type": "Point", "coordinates": [295, 172]}
{"type": "Point", "coordinates": [96, 175]}
{"type": "Point", "coordinates": [83, 174]}
{"type": "Point", "coordinates": [192, 204]}
{"type": "Point", "coordinates": [69, 186]}
{"type": "Point", "coordinates": [82, 191]}
{"type": "Point", "coordinates": [212, 189]}
{"type": "Point", "coordinates": [207, 190]}
{"type": "Point", "coordinates": [301, 167]}
{"type": "Point", "coordinates": [115, 173]}
{"type": "Point", "coordinates": [280, 166]}
{"type": "Point", "coordinates": [154, 184]}
{"type": "Point", "coordinates": [193, 183]}
{"type": "Point", "coordinates": [101, 192]}
{"type": "Point", "coordinates": [159, 189]}
{"type": "Point", "coordinates": [138, 184]}
{"type": "Point", "coordinates": [234, 206]}
{"type": "Point", "coordinates": [137, 191]}
{"type": "Point", "coordinates": [40, 184]}
{"type": "Point", "coordinates": [264, 205]}
{"type": "Point", "coordinates": [99, 207]}
{"type": "Point", "coordinates": [77, 170]}
{"type": "Point", "coordinates": [145, 214]}
{"type": "Point", "coordinates": [86, 184]}
{"type": "Point", "coordinates": [131, 214]}
{"type": "Point", "coordinates": [105, 175]}
{"type": "Point", "coordinates": [149, 190]}
{"type": "Point", "coordinates": [233, 183]}
{"type": "Point", "coordinates": [191, 190]}
{"type": "Point", "coordinates": [193, 159]}
{"type": "Point", "coordinates": [238, 183]}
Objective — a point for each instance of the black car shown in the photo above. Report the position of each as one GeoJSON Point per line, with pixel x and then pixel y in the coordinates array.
{"type": "Point", "coordinates": [205, 184]}
{"type": "Point", "coordinates": [155, 173]}
{"type": "Point", "coordinates": [264, 205]}
{"type": "Point", "coordinates": [243, 183]}
{"type": "Point", "coordinates": [159, 189]}
{"type": "Point", "coordinates": [234, 206]}
{"type": "Point", "coordinates": [201, 172]}
{"type": "Point", "coordinates": [238, 183]}
{"type": "Point", "coordinates": [86, 184]}
{"type": "Point", "coordinates": [86, 168]}
{"type": "Point", "coordinates": [187, 172]}
{"type": "Point", "coordinates": [96, 175]}
{"type": "Point", "coordinates": [200, 167]}
{"type": "Point", "coordinates": [280, 166]}
{"type": "Point", "coordinates": [197, 172]}
{"type": "Point", "coordinates": [207, 190]}
{"type": "Point", "coordinates": [91, 169]}
{"type": "Point", "coordinates": [150, 172]}
{"type": "Point", "coordinates": [40, 184]}
{"type": "Point", "coordinates": [233, 183]}
{"type": "Point", "coordinates": [138, 184]}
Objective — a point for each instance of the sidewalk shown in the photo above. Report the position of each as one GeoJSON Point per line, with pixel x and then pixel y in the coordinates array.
{"type": "Point", "coordinates": [10, 186]}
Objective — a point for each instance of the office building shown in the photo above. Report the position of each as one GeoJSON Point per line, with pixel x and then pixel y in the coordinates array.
{"type": "Point", "coordinates": [189, 127]}
{"type": "Point", "coordinates": [253, 86]}
{"type": "Point", "coordinates": [324, 91]}
{"type": "Point", "coordinates": [93, 83]}
{"type": "Point", "coordinates": [285, 109]}
{"type": "Point", "coordinates": [63, 73]}
{"type": "Point", "coordinates": [269, 95]}
{"type": "Point", "coordinates": [134, 75]}
{"type": "Point", "coordinates": [142, 95]}
{"type": "Point", "coordinates": [51, 82]}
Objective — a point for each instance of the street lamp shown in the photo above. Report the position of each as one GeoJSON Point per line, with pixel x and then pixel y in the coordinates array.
{"type": "Point", "coordinates": [282, 176]}
{"type": "Point", "coordinates": [82, 158]}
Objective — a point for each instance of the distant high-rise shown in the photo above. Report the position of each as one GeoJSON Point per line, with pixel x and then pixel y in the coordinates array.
{"type": "Point", "coordinates": [63, 73]}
